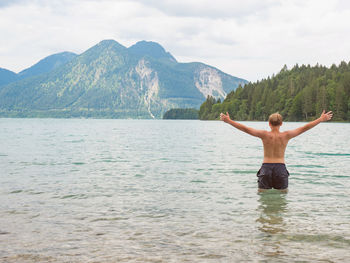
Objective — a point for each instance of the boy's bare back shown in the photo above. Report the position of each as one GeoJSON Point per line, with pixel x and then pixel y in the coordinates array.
{"type": "Point", "coordinates": [275, 144]}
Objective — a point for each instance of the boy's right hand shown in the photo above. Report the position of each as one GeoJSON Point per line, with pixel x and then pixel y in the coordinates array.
{"type": "Point", "coordinates": [326, 116]}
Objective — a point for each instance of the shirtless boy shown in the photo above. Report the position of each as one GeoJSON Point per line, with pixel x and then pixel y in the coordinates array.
{"type": "Point", "coordinates": [273, 172]}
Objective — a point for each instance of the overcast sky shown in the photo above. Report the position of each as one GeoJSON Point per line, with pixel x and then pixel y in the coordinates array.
{"type": "Point", "coordinates": [251, 39]}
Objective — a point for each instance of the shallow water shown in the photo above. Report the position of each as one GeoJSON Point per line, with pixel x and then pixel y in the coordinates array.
{"type": "Point", "coordinates": [168, 191]}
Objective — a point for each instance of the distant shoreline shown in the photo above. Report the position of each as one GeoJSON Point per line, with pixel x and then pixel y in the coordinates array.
{"type": "Point", "coordinates": [146, 119]}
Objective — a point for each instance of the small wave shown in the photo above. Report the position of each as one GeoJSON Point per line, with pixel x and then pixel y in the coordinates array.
{"type": "Point", "coordinates": [35, 193]}
{"type": "Point", "coordinates": [198, 181]}
{"type": "Point", "coordinates": [328, 154]}
{"type": "Point", "coordinates": [153, 216]}
{"type": "Point", "coordinates": [109, 161]}
{"type": "Point", "coordinates": [15, 212]}
{"type": "Point", "coordinates": [318, 238]}
{"type": "Point", "coordinates": [334, 154]}
{"type": "Point", "coordinates": [213, 256]}
{"type": "Point", "coordinates": [78, 163]}
{"type": "Point", "coordinates": [76, 196]}
{"type": "Point", "coordinates": [34, 216]}
{"type": "Point", "coordinates": [245, 171]}
{"type": "Point", "coordinates": [74, 141]}
{"type": "Point", "coordinates": [307, 165]}
{"type": "Point", "coordinates": [30, 258]}
{"type": "Point", "coordinates": [39, 163]}
{"type": "Point", "coordinates": [68, 196]}
{"type": "Point", "coordinates": [341, 176]}
{"type": "Point", "coordinates": [16, 192]}
{"type": "Point", "coordinates": [109, 219]}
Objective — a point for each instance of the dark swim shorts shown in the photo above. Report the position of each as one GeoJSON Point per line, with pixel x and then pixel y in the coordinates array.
{"type": "Point", "coordinates": [273, 175]}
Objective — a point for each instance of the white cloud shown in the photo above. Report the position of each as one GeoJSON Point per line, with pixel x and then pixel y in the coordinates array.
{"type": "Point", "coordinates": [250, 39]}
{"type": "Point", "coordinates": [209, 8]}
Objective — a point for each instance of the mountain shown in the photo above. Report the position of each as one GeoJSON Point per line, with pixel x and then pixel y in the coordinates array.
{"type": "Point", "coordinates": [151, 49]}
{"type": "Point", "coordinates": [7, 76]}
{"type": "Point", "coordinates": [43, 66]}
{"type": "Point", "coordinates": [110, 80]}
{"type": "Point", "coordinates": [47, 64]}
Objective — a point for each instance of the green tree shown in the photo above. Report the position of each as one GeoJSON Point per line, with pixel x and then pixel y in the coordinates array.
{"type": "Point", "coordinates": [243, 109]}
{"type": "Point", "coordinates": [321, 100]}
{"type": "Point", "coordinates": [296, 109]}
{"type": "Point", "coordinates": [340, 107]}
{"type": "Point", "coordinates": [307, 106]}
{"type": "Point", "coordinates": [205, 108]}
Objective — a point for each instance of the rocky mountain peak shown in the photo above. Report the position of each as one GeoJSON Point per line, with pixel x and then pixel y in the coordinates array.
{"type": "Point", "coordinates": [152, 49]}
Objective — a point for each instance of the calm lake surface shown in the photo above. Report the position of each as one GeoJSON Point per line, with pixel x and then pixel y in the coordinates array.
{"type": "Point", "coordinates": [76, 190]}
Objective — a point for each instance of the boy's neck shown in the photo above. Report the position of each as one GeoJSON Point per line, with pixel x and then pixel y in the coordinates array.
{"type": "Point", "coordinates": [275, 128]}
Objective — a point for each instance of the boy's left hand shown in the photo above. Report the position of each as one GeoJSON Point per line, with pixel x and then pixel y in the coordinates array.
{"type": "Point", "coordinates": [224, 117]}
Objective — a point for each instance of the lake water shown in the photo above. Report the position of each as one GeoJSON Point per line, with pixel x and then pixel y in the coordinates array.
{"type": "Point", "coordinates": [76, 190]}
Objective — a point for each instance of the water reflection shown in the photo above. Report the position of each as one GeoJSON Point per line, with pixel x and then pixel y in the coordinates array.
{"type": "Point", "coordinates": [272, 206]}
{"type": "Point", "coordinates": [271, 209]}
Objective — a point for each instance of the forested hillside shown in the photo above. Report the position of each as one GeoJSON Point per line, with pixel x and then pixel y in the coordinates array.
{"type": "Point", "coordinates": [181, 114]}
{"type": "Point", "coordinates": [299, 94]}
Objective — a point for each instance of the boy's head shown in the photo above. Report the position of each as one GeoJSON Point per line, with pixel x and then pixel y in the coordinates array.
{"type": "Point", "coordinates": [275, 119]}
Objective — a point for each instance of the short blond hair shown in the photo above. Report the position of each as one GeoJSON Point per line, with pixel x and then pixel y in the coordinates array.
{"type": "Point", "coordinates": [275, 119]}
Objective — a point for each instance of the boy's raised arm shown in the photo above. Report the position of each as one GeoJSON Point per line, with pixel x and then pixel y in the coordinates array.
{"type": "Point", "coordinates": [324, 117]}
{"type": "Point", "coordinates": [254, 132]}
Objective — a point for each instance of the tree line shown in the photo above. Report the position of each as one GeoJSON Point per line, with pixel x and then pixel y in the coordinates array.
{"type": "Point", "coordinates": [299, 94]}
{"type": "Point", "coordinates": [184, 114]}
